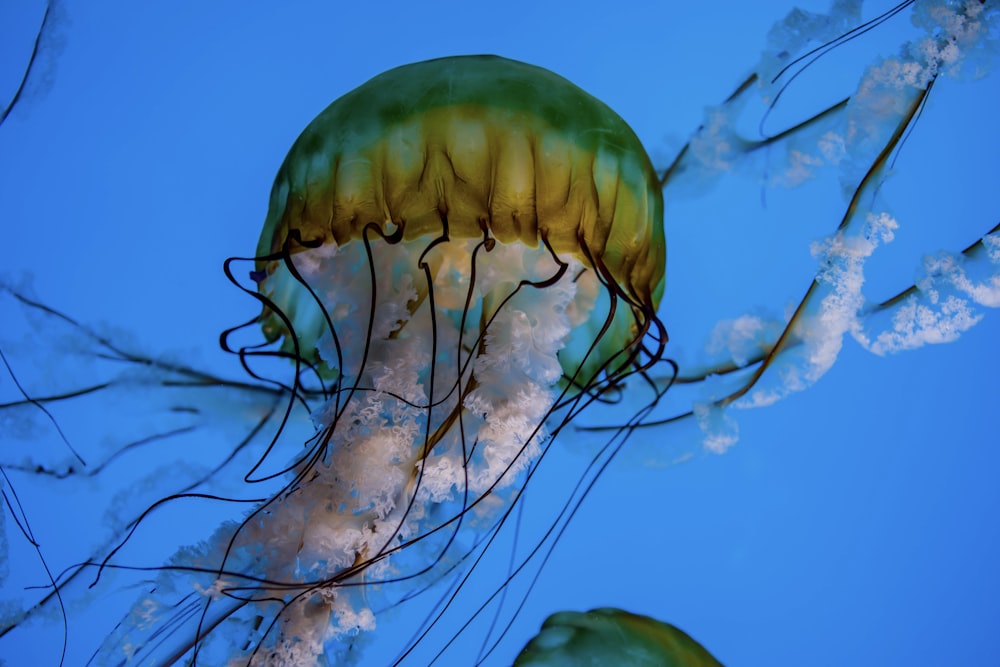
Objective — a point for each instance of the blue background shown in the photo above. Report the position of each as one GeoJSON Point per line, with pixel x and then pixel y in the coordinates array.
{"type": "Point", "coordinates": [853, 523]}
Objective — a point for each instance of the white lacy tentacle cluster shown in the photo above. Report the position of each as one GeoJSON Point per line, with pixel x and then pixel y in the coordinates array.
{"type": "Point", "coordinates": [444, 390]}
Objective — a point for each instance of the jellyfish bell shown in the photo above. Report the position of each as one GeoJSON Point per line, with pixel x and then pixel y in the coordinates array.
{"type": "Point", "coordinates": [461, 254]}
{"type": "Point", "coordinates": [465, 149]}
{"type": "Point", "coordinates": [608, 636]}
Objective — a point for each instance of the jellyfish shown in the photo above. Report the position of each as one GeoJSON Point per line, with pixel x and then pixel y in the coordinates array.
{"type": "Point", "coordinates": [458, 256]}
{"type": "Point", "coordinates": [459, 253]}
{"type": "Point", "coordinates": [382, 328]}
{"type": "Point", "coordinates": [607, 635]}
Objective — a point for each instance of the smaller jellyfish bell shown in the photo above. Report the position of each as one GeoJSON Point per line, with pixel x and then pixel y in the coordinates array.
{"type": "Point", "coordinates": [464, 252]}
{"type": "Point", "coordinates": [609, 636]}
